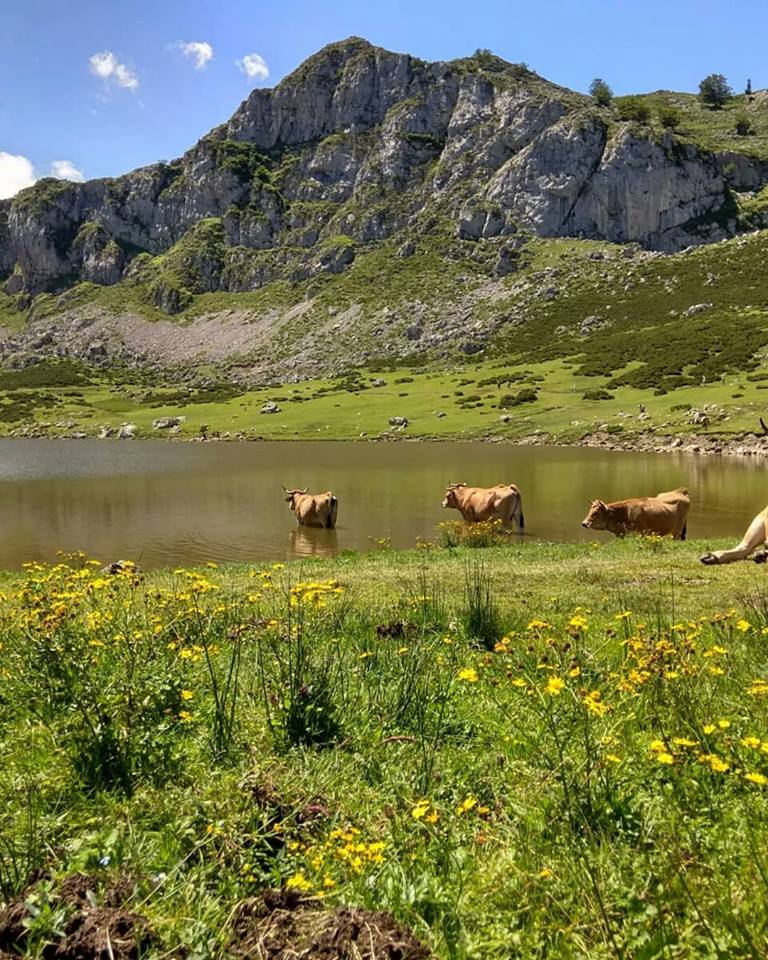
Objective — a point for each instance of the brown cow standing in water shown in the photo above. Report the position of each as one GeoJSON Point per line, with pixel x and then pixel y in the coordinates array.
{"type": "Point", "coordinates": [313, 509]}
{"type": "Point", "coordinates": [476, 504]}
{"type": "Point", "coordinates": [663, 514]}
{"type": "Point", "coordinates": [756, 536]}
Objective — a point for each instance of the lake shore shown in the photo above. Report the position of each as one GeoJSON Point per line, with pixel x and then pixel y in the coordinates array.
{"type": "Point", "coordinates": [742, 444]}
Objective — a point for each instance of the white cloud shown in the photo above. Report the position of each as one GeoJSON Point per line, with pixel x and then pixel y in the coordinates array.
{"type": "Point", "coordinates": [108, 67]}
{"type": "Point", "coordinates": [16, 172]}
{"type": "Point", "coordinates": [66, 170]}
{"type": "Point", "coordinates": [254, 65]}
{"type": "Point", "coordinates": [199, 50]}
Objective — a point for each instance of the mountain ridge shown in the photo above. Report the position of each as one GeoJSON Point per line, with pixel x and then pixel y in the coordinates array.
{"type": "Point", "coordinates": [390, 140]}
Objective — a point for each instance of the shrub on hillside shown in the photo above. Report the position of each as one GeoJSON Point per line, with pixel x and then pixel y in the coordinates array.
{"type": "Point", "coordinates": [634, 108]}
{"type": "Point", "coordinates": [597, 395]}
{"type": "Point", "coordinates": [743, 125]}
{"type": "Point", "coordinates": [527, 395]}
{"type": "Point", "coordinates": [669, 117]}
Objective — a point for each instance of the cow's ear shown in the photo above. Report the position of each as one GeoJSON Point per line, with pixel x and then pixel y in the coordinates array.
{"type": "Point", "coordinates": [601, 503]}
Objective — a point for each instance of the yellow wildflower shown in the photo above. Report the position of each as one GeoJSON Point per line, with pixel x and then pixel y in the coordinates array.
{"type": "Point", "coordinates": [554, 686]}
{"type": "Point", "coordinates": [469, 674]}
{"type": "Point", "coordinates": [298, 882]}
{"type": "Point", "coordinates": [757, 778]}
{"type": "Point", "coordinates": [466, 805]}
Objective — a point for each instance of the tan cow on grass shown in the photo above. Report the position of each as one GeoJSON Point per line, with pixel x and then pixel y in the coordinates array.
{"type": "Point", "coordinates": [663, 514]}
{"type": "Point", "coordinates": [756, 536]}
{"type": "Point", "coordinates": [313, 509]}
{"type": "Point", "coordinates": [476, 504]}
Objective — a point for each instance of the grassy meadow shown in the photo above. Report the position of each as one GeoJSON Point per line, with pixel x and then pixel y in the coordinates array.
{"type": "Point", "coordinates": [671, 333]}
{"type": "Point", "coordinates": [526, 750]}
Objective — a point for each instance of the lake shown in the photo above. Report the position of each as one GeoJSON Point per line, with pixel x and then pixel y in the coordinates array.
{"type": "Point", "coordinates": [165, 503]}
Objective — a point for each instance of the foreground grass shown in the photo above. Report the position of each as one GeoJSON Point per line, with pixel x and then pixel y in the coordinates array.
{"type": "Point", "coordinates": [528, 750]}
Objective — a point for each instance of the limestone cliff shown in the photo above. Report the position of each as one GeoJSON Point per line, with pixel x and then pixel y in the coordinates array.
{"type": "Point", "coordinates": [358, 145]}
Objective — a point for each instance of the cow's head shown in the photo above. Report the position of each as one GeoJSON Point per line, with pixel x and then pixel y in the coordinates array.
{"type": "Point", "coordinates": [597, 517]}
{"type": "Point", "coordinates": [290, 496]}
{"type": "Point", "coordinates": [451, 499]}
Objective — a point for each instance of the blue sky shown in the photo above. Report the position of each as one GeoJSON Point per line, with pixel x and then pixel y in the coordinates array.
{"type": "Point", "coordinates": [98, 88]}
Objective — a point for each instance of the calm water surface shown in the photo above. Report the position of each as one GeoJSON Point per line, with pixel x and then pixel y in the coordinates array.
{"type": "Point", "coordinates": [163, 503]}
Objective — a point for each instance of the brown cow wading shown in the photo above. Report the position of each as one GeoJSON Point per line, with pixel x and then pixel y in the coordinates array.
{"type": "Point", "coordinates": [476, 504]}
{"type": "Point", "coordinates": [664, 514]}
{"type": "Point", "coordinates": [313, 509]}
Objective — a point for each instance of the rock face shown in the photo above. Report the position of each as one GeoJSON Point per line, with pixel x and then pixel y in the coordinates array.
{"type": "Point", "coordinates": [357, 145]}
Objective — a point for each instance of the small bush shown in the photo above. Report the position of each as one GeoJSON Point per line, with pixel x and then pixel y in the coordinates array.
{"type": "Point", "coordinates": [634, 108]}
{"type": "Point", "coordinates": [597, 395]}
{"type": "Point", "coordinates": [526, 395]}
{"type": "Point", "coordinates": [743, 125]}
{"type": "Point", "coordinates": [487, 533]}
{"type": "Point", "coordinates": [614, 428]}
{"type": "Point", "coordinates": [669, 118]}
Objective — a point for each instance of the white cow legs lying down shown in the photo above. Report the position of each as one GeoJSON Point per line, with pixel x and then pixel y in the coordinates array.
{"type": "Point", "coordinates": [756, 536]}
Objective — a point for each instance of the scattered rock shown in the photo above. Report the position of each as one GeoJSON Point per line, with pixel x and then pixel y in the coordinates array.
{"type": "Point", "coordinates": [699, 418]}
{"type": "Point", "coordinates": [126, 431]}
{"type": "Point", "coordinates": [697, 308]}
{"type": "Point", "coordinates": [378, 382]}
{"type": "Point", "coordinates": [166, 423]}
{"type": "Point", "coordinates": [413, 331]}
{"type": "Point", "coordinates": [270, 407]}
{"type": "Point", "coordinates": [401, 422]}
{"type": "Point", "coordinates": [106, 431]}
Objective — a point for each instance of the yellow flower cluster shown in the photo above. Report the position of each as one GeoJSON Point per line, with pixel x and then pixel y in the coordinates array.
{"type": "Point", "coordinates": [343, 855]}
{"type": "Point", "coordinates": [314, 594]}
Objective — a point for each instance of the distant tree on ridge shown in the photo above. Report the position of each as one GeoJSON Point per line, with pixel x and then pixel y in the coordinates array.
{"type": "Point", "coordinates": [601, 92]}
{"type": "Point", "coordinates": [714, 91]}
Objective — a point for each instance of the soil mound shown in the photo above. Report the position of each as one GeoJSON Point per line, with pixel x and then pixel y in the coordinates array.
{"type": "Point", "coordinates": [281, 925]}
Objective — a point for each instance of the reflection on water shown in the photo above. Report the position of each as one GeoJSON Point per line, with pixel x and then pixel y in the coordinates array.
{"type": "Point", "coordinates": [313, 542]}
{"type": "Point", "coordinates": [162, 502]}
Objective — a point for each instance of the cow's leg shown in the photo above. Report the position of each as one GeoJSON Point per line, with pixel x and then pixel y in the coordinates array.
{"type": "Point", "coordinates": [681, 529]}
{"type": "Point", "coordinates": [755, 535]}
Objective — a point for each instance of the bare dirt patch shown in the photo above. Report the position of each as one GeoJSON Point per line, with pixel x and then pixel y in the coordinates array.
{"type": "Point", "coordinates": [281, 925]}
{"type": "Point", "coordinates": [106, 932]}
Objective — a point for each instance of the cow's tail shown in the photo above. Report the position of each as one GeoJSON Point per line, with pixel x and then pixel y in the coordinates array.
{"type": "Point", "coordinates": [334, 505]}
{"type": "Point", "coordinates": [684, 531]}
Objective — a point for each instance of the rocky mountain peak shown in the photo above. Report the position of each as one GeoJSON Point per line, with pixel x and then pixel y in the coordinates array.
{"type": "Point", "coordinates": [360, 145]}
